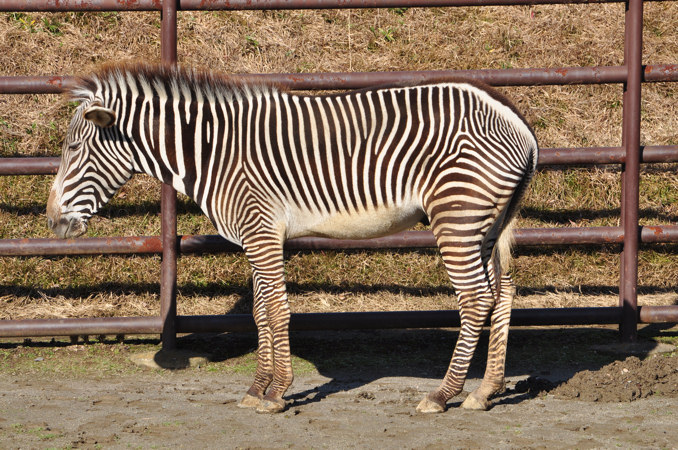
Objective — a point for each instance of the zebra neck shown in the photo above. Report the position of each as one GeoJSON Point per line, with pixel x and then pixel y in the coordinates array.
{"type": "Point", "coordinates": [190, 145]}
{"type": "Point", "coordinates": [180, 144]}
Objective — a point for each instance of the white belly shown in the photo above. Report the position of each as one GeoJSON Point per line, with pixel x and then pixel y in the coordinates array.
{"type": "Point", "coordinates": [360, 225]}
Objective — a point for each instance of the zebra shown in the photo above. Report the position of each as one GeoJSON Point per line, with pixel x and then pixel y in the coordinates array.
{"type": "Point", "coordinates": [266, 165]}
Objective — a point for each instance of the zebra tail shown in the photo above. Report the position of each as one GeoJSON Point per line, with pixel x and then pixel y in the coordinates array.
{"type": "Point", "coordinates": [501, 253]}
{"type": "Point", "coordinates": [502, 249]}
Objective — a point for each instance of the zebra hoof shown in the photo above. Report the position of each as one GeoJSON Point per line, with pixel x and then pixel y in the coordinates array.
{"type": "Point", "coordinates": [474, 403]}
{"type": "Point", "coordinates": [249, 401]}
{"type": "Point", "coordinates": [267, 406]}
{"type": "Point", "coordinates": [428, 406]}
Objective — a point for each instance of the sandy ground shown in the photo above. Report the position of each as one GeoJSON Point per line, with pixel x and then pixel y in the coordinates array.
{"type": "Point", "coordinates": [186, 411]}
{"type": "Point", "coordinates": [196, 408]}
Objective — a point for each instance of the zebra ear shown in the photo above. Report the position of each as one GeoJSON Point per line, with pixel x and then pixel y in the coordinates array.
{"type": "Point", "coordinates": [100, 116]}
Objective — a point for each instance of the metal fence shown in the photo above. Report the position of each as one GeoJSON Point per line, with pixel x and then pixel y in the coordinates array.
{"type": "Point", "coordinates": [630, 155]}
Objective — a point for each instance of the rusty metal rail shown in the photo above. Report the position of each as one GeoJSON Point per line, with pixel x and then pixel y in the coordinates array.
{"type": "Point", "coordinates": [355, 80]}
{"type": "Point", "coordinates": [213, 5]}
{"type": "Point", "coordinates": [631, 75]}
{"type": "Point", "coordinates": [547, 157]}
{"type": "Point", "coordinates": [190, 244]}
{"type": "Point", "coordinates": [325, 321]}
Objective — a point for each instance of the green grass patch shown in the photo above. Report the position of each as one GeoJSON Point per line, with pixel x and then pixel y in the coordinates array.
{"type": "Point", "coordinates": [59, 357]}
{"type": "Point", "coordinates": [368, 354]}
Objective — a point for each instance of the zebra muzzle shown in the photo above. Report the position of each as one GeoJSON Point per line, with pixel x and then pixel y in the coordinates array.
{"type": "Point", "coordinates": [67, 227]}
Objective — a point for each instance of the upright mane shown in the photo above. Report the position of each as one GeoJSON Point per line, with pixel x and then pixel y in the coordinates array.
{"type": "Point", "coordinates": [208, 82]}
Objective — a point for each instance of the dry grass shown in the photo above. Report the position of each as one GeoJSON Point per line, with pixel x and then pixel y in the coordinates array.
{"type": "Point", "coordinates": [344, 40]}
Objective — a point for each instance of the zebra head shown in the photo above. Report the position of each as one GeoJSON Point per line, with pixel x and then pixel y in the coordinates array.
{"type": "Point", "coordinates": [94, 165]}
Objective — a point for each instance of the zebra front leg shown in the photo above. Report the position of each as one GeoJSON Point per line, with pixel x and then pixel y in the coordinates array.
{"type": "Point", "coordinates": [272, 315]}
{"type": "Point", "coordinates": [264, 373]}
{"type": "Point", "coordinates": [493, 381]}
{"type": "Point", "coordinates": [279, 314]}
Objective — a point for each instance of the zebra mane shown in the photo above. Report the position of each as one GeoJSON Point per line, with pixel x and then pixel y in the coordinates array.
{"type": "Point", "coordinates": [210, 83]}
{"type": "Point", "coordinates": [86, 87]}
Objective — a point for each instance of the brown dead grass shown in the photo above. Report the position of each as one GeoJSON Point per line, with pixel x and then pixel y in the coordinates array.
{"type": "Point", "coordinates": [344, 40]}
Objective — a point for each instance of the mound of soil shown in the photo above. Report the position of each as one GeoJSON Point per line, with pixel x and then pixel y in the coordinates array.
{"type": "Point", "coordinates": [624, 381]}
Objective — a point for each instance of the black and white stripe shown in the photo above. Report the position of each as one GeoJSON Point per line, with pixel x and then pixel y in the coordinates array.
{"type": "Point", "coordinates": [267, 165]}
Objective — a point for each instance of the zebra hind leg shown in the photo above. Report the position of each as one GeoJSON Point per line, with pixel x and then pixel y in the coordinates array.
{"type": "Point", "coordinates": [474, 309]}
{"type": "Point", "coordinates": [498, 254]}
{"type": "Point", "coordinates": [493, 381]}
{"type": "Point", "coordinates": [461, 254]}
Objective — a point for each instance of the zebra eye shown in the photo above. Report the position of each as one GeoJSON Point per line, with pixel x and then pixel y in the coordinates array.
{"type": "Point", "coordinates": [74, 145]}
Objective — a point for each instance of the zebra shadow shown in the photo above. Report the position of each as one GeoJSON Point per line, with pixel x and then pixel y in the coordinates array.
{"type": "Point", "coordinates": [350, 360]}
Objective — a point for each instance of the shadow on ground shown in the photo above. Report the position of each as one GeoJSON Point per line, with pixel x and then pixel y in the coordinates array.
{"type": "Point", "coordinates": [351, 359]}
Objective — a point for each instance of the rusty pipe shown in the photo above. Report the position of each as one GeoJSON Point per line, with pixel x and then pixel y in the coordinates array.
{"type": "Point", "coordinates": [168, 204]}
{"type": "Point", "coordinates": [658, 314]}
{"type": "Point", "coordinates": [633, 56]}
{"type": "Point", "coordinates": [547, 157]}
{"type": "Point", "coordinates": [187, 5]}
{"type": "Point", "coordinates": [29, 166]}
{"type": "Point", "coordinates": [398, 319]}
{"type": "Point", "coordinates": [80, 326]}
{"type": "Point", "coordinates": [146, 245]}
{"type": "Point", "coordinates": [54, 84]}
{"type": "Point", "coordinates": [324, 321]}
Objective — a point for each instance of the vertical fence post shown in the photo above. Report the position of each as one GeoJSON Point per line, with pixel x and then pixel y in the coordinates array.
{"type": "Point", "coordinates": [633, 52]}
{"type": "Point", "coordinates": [168, 282]}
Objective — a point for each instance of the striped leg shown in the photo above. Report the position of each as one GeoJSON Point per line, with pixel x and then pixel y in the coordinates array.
{"type": "Point", "coordinates": [493, 381]}
{"type": "Point", "coordinates": [272, 316]}
{"type": "Point", "coordinates": [264, 374]}
{"type": "Point", "coordinates": [460, 249]}
{"type": "Point", "coordinates": [278, 312]}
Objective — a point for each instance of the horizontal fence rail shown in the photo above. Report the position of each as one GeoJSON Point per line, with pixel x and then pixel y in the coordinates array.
{"type": "Point", "coordinates": [48, 84]}
{"type": "Point", "coordinates": [49, 165]}
{"type": "Point", "coordinates": [629, 155]}
{"type": "Point", "coordinates": [150, 245]}
{"type": "Point", "coordinates": [325, 321]}
{"type": "Point", "coordinates": [233, 5]}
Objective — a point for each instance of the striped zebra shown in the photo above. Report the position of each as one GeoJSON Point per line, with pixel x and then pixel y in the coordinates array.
{"type": "Point", "coordinates": [267, 165]}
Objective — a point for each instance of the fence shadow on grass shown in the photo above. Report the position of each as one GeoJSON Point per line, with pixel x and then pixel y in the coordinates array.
{"type": "Point", "coordinates": [566, 217]}
{"type": "Point", "coordinates": [244, 303]}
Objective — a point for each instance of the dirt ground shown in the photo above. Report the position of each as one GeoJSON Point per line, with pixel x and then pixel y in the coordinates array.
{"type": "Point", "coordinates": [186, 411]}
{"type": "Point", "coordinates": [358, 403]}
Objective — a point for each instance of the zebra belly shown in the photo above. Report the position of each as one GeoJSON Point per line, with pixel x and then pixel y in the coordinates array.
{"type": "Point", "coordinates": [358, 225]}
